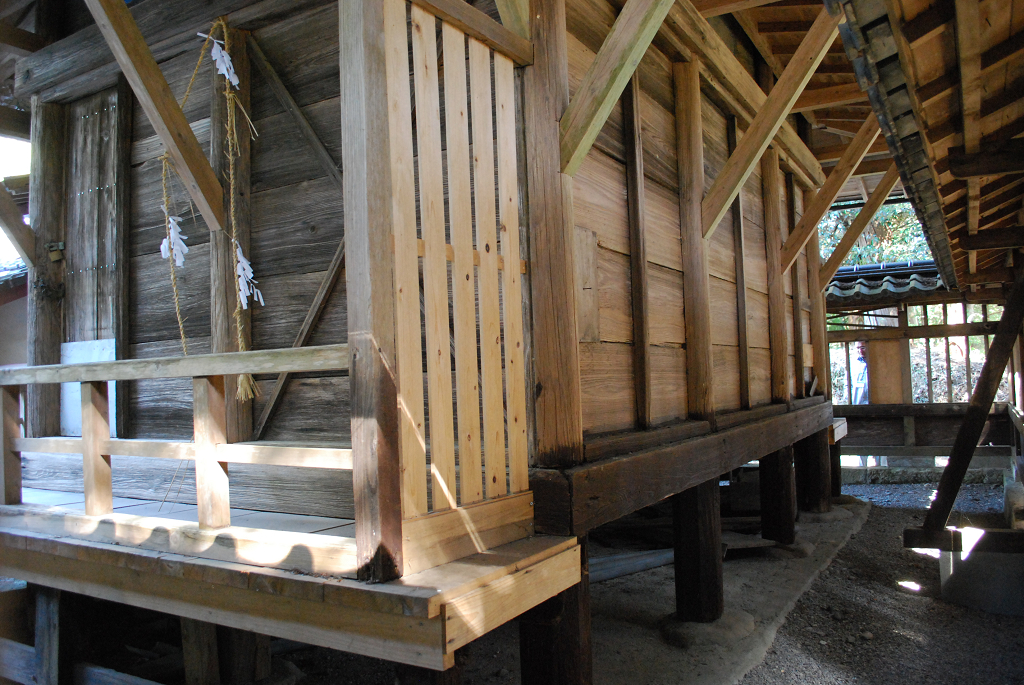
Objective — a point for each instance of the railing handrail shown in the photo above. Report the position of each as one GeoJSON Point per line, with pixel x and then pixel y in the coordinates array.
{"type": "Point", "coordinates": [283, 360]}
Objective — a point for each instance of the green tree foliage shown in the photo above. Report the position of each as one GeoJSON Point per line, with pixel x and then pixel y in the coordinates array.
{"type": "Point", "coordinates": [894, 235]}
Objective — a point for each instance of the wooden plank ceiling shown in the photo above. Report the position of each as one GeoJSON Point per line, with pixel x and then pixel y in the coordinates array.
{"type": "Point", "coordinates": [964, 63]}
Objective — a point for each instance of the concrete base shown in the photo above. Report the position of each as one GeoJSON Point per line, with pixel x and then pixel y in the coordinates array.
{"type": "Point", "coordinates": [837, 514]}
{"type": "Point", "coordinates": [1013, 503]}
{"type": "Point", "coordinates": [989, 581]}
{"type": "Point", "coordinates": [732, 627]}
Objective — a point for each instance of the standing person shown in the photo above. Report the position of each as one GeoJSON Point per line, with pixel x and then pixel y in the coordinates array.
{"type": "Point", "coordinates": [859, 373]}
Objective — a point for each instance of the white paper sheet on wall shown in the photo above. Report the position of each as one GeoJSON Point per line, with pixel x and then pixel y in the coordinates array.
{"type": "Point", "coordinates": [71, 393]}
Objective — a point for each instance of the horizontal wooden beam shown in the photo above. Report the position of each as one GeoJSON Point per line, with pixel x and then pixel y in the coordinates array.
{"type": "Point", "coordinates": [158, 102]}
{"type": "Point", "coordinates": [14, 123]}
{"type": "Point", "coordinates": [475, 23]}
{"type": "Point", "coordinates": [944, 409]}
{"type": "Point", "coordinates": [993, 239]}
{"type": "Point", "coordinates": [767, 122]}
{"type": "Point", "coordinates": [818, 98]}
{"type": "Point", "coordinates": [864, 217]}
{"type": "Point", "coordinates": [714, 8]}
{"type": "Point", "coordinates": [582, 498]}
{"type": "Point", "coordinates": [871, 167]}
{"type": "Point", "coordinates": [953, 330]}
{"type": "Point", "coordinates": [290, 359]}
{"type": "Point", "coordinates": [840, 174]}
{"type": "Point", "coordinates": [999, 274]}
{"type": "Point", "coordinates": [19, 41]}
{"type": "Point", "coordinates": [1007, 158]}
{"type": "Point", "coordinates": [602, 85]}
{"type": "Point", "coordinates": [930, 22]}
{"type": "Point", "coordinates": [833, 153]}
{"type": "Point", "coordinates": [12, 222]}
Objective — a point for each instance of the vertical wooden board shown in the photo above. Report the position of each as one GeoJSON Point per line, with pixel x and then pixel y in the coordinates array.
{"type": "Point", "coordinates": [587, 286]}
{"type": "Point", "coordinates": [789, 325]}
{"type": "Point", "coordinates": [616, 314]}
{"type": "Point", "coordinates": [152, 307]}
{"type": "Point", "coordinates": [10, 428]}
{"type": "Point", "coordinates": [508, 206]}
{"type": "Point", "coordinates": [662, 224]}
{"type": "Point", "coordinates": [760, 376]}
{"type": "Point", "coordinates": [599, 200]}
{"type": "Point", "coordinates": [487, 247]}
{"type": "Point", "coordinates": [668, 383]}
{"type": "Point", "coordinates": [407, 288]}
{"type": "Point", "coordinates": [885, 377]}
{"type": "Point", "coordinates": [723, 312]}
{"type": "Point", "coordinates": [726, 377]}
{"type": "Point", "coordinates": [435, 265]}
{"type": "Point", "coordinates": [665, 303]}
{"type": "Point", "coordinates": [659, 139]}
{"type": "Point", "coordinates": [460, 214]}
{"type": "Point", "coordinates": [756, 266]}
{"type": "Point", "coordinates": [91, 257]}
{"type": "Point", "coordinates": [757, 319]}
{"type": "Point", "coordinates": [722, 252]}
{"type": "Point", "coordinates": [606, 385]}
{"type": "Point", "coordinates": [716, 150]}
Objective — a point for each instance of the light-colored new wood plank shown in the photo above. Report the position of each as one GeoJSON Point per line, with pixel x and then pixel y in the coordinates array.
{"type": "Point", "coordinates": [837, 178]}
{"type": "Point", "coordinates": [441, 537]}
{"type": "Point", "coordinates": [831, 96]}
{"type": "Point", "coordinates": [768, 121]}
{"type": "Point", "coordinates": [157, 101]}
{"type": "Point", "coordinates": [12, 223]}
{"type": "Point", "coordinates": [478, 612]}
{"type": "Point", "coordinates": [99, 496]}
{"type": "Point", "coordinates": [478, 25]}
{"type": "Point", "coordinates": [486, 245]}
{"type": "Point", "coordinates": [435, 266]}
{"type": "Point", "coordinates": [212, 489]}
{"type": "Point", "coordinates": [322, 358]}
{"type": "Point", "coordinates": [632, 33]}
{"type": "Point", "coordinates": [968, 42]}
{"type": "Point", "coordinates": [408, 342]}
{"type": "Point", "coordinates": [508, 216]}
{"type": "Point", "coordinates": [460, 209]}
{"type": "Point", "coordinates": [864, 217]}
{"type": "Point", "coordinates": [715, 8]}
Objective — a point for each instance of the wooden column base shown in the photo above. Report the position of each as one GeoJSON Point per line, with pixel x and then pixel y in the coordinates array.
{"type": "Point", "coordinates": [554, 637]}
{"type": "Point", "coordinates": [778, 497]}
{"type": "Point", "coordinates": [697, 538]}
{"type": "Point", "coordinates": [836, 469]}
{"type": "Point", "coordinates": [813, 473]}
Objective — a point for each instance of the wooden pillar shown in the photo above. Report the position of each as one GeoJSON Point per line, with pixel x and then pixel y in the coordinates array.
{"type": "Point", "coordinates": [223, 332]}
{"type": "Point", "coordinates": [696, 288]}
{"type": "Point", "coordinates": [46, 281]}
{"type": "Point", "coordinates": [122, 203]}
{"type": "Point", "coordinates": [771, 189]}
{"type": "Point", "coordinates": [244, 656]}
{"type": "Point", "coordinates": [366, 158]}
{"type": "Point", "coordinates": [813, 472]}
{"type": "Point", "coordinates": [558, 415]}
{"type": "Point", "coordinates": [212, 491]}
{"type": "Point", "coordinates": [10, 428]}
{"type": "Point", "coordinates": [637, 250]}
{"type": "Point", "coordinates": [778, 496]}
{"type": "Point", "coordinates": [99, 497]}
{"type": "Point", "coordinates": [836, 468]}
{"type": "Point", "coordinates": [740, 259]}
{"type": "Point", "coordinates": [52, 648]}
{"type": "Point", "coordinates": [819, 338]}
{"type": "Point", "coordinates": [697, 540]}
{"type": "Point", "coordinates": [554, 636]}
{"type": "Point", "coordinates": [199, 648]}
{"type": "Point", "coordinates": [799, 382]}
{"type": "Point", "coordinates": [905, 368]}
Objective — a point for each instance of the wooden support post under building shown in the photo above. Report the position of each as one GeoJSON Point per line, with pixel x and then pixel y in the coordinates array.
{"type": "Point", "coordinates": [697, 540]}
{"type": "Point", "coordinates": [977, 412]}
{"type": "Point", "coordinates": [244, 656]}
{"type": "Point", "coordinates": [637, 250]}
{"type": "Point", "coordinates": [813, 473]}
{"type": "Point", "coordinates": [223, 281]}
{"type": "Point", "coordinates": [367, 160]}
{"type": "Point", "coordinates": [199, 648]}
{"type": "Point", "coordinates": [778, 496]}
{"type": "Point", "coordinates": [52, 646]}
{"type": "Point", "coordinates": [47, 204]}
{"type": "Point", "coordinates": [554, 636]}
{"type": "Point", "coordinates": [558, 418]}
{"type": "Point", "coordinates": [836, 468]}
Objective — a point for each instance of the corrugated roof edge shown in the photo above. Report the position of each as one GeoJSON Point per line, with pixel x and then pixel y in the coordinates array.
{"type": "Point", "coordinates": [870, 45]}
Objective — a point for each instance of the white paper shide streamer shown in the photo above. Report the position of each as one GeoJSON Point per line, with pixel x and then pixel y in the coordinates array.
{"type": "Point", "coordinates": [223, 61]}
{"type": "Point", "coordinates": [246, 284]}
{"type": "Point", "coordinates": [174, 243]}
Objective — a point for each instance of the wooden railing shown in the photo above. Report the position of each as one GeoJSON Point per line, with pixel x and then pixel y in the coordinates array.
{"type": "Point", "coordinates": [210, 450]}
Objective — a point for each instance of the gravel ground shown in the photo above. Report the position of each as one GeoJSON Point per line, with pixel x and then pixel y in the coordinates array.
{"type": "Point", "coordinates": [857, 624]}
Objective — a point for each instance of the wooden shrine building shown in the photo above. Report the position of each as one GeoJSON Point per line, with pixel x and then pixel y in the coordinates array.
{"type": "Point", "coordinates": [511, 269]}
